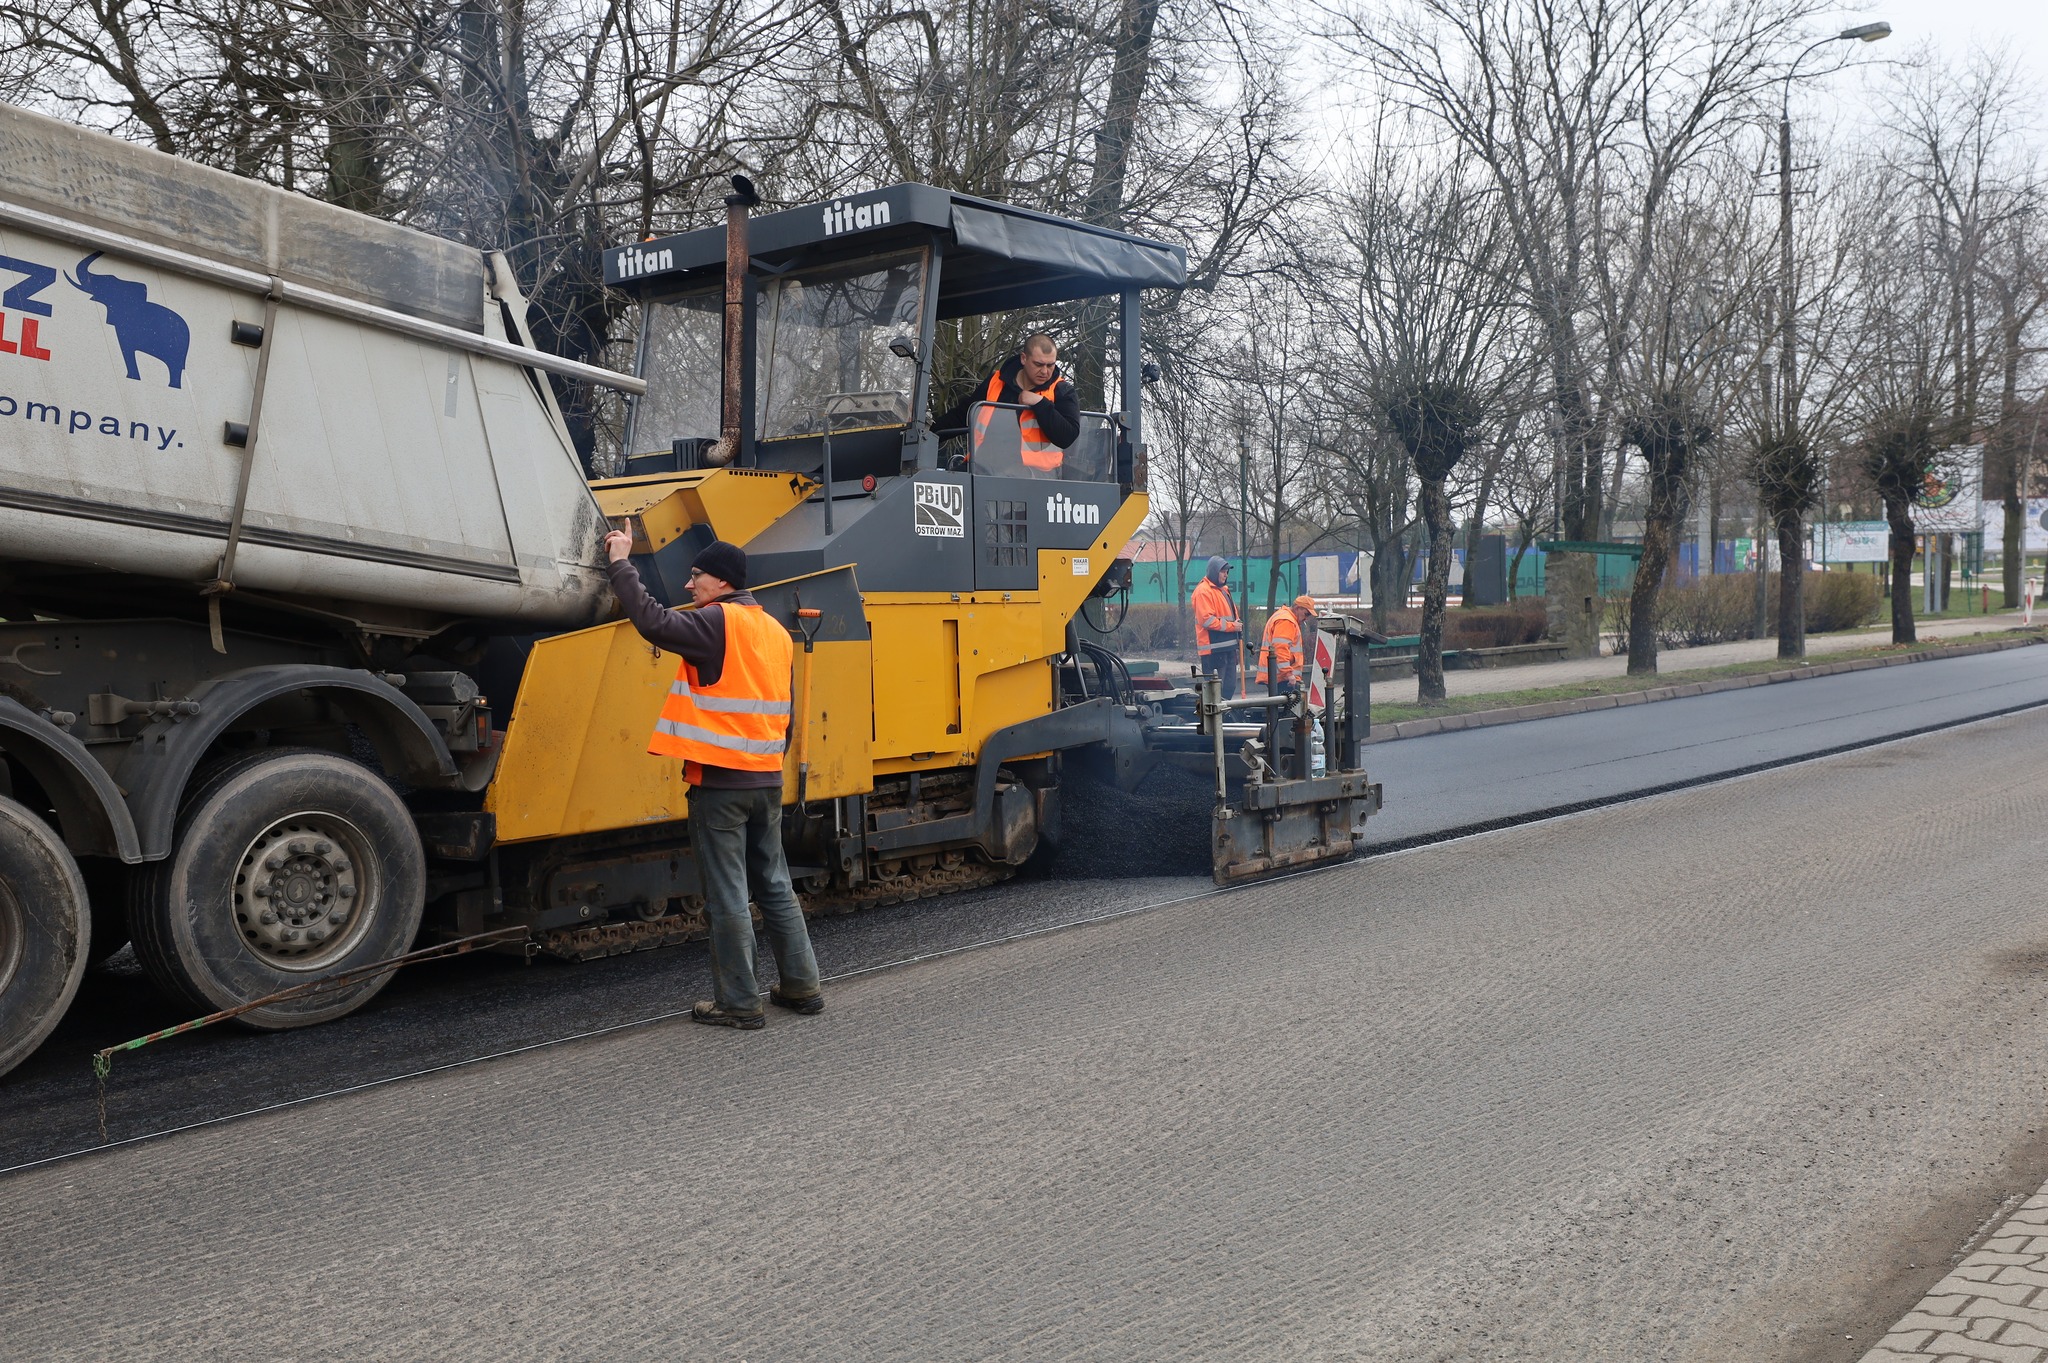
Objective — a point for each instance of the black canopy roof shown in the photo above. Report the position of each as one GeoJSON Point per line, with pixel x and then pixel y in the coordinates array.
{"type": "Point", "coordinates": [997, 257]}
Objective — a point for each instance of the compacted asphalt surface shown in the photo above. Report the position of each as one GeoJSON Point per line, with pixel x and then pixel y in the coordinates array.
{"type": "Point", "coordinates": [1613, 1084]}
{"type": "Point", "coordinates": [1729, 1073]}
{"type": "Point", "coordinates": [1436, 787]}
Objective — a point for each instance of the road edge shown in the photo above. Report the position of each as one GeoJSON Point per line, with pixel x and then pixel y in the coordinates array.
{"type": "Point", "coordinates": [1551, 709]}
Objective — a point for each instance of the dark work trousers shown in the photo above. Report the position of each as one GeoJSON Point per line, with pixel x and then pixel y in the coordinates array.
{"type": "Point", "coordinates": [738, 838]}
{"type": "Point", "coordinates": [1223, 660]}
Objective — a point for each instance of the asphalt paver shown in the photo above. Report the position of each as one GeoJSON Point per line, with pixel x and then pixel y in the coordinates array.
{"type": "Point", "coordinates": [1694, 1077]}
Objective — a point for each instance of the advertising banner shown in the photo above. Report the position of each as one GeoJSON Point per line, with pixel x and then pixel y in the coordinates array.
{"type": "Point", "coordinates": [2035, 539]}
{"type": "Point", "coordinates": [1952, 501]}
{"type": "Point", "coordinates": [1852, 542]}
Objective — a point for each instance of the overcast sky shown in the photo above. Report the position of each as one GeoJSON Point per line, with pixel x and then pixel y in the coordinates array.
{"type": "Point", "coordinates": [1952, 26]}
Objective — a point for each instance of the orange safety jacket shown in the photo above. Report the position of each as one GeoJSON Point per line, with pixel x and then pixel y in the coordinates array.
{"type": "Point", "coordinates": [1280, 653]}
{"type": "Point", "coordinates": [1038, 452]}
{"type": "Point", "coordinates": [1215, 614]}
{"type": "Point", "coordinates": [742, 720]}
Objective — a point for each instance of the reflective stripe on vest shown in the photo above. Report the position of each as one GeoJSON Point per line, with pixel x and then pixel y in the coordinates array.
{"type": "Point", "coordinates": [1037, 451]}
{"type": "Point", "coordinates": [731, 705]}
{"type": "Point", "coordinates": [741, 722]}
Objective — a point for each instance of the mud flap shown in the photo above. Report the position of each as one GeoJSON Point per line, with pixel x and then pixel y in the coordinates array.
{"type": "Point", "coordinates": [1278, 826]}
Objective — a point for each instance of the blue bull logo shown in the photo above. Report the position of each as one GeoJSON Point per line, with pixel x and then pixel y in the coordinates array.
{"type": "Point", "coordinates": [142, 327]}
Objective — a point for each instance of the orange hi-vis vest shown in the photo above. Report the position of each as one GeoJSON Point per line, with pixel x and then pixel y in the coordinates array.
{"type": "Point", "coordinates": [1038, 452]}
{"type": "Point", "coordinates": [1280, 654]}
{"type": "Point", "coordinates": [1214, 610]}
{"type": "Point", "coordinates": [742, 720]}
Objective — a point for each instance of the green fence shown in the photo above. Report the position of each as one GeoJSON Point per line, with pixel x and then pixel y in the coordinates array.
{"type": "Point", "coordinates": [1157, 580]}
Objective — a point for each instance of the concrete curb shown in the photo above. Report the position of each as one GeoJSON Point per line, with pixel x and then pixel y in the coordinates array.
{"type": "Point", "coordinates": [1517, 714]}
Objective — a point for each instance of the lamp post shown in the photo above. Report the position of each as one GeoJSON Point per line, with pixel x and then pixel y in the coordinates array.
{"type": "Point", "coordinates": [1788, 336]}
{"type": "Point", "coordinates": [1791, 630]}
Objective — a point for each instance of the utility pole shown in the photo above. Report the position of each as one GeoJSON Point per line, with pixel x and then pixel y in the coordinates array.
{"type": "Point", "coordinates": [1244, 474]}
{"type": "Point", "coordinates": [1244, 571]}
{"type": "Point", "coordinates": [1788, 388]}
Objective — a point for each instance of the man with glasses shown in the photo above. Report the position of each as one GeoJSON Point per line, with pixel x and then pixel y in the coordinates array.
{"type": "Point", "coordinates": [726, 718]}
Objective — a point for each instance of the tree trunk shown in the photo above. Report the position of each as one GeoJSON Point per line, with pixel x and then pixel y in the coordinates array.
{"type": "Point", "coordinates": [1901, 520]}
{"type": "Point", "coordinates": [1382, 565]}
{"type": "Point", "coordinates": [1712, 549]}
{"type": "Point", "coordinates": [1130, 73]}
{"type": "Point", "coordinates": [1429, 654]}
{"type": "Point", "coordinates": [1760, 615]}
{"type": "Point", "coordinates": [1659, 539]}
{"type": "Point", "coordinates": [2014, 559]}
{"type": "Point", "coordinates": [1390, 569]}
{"type": "Point", "coordinates": [1791, 585]}
{"type": "Point", "coordinates": [1527, 537]}
{"type": "Point", "coordinates": [1180, 588]}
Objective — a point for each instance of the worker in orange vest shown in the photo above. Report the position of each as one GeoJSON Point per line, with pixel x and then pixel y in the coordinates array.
{"type": "Point", "coordinates": [1281, 653]}
{"type": "Point", "coordinates": [1219, 634]}
{"type": "Point", "coordinates": [726, 718]}
{"type": "Point", "coordinates": [1051, 419]}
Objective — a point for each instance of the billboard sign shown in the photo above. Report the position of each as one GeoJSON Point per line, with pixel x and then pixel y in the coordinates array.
{"type": "Point", "coordinates": [1852, 542]}
{"type": "Point", "coordinates": [1951, 502]}
{"type": "Point", "coordinates": [2035, 539]}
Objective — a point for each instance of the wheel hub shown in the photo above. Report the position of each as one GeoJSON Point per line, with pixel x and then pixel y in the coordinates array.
{"type": "Point", "coordinates": [301, 890]}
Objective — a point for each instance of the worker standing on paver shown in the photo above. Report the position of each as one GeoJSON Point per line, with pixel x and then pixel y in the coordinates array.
{"type": "Point", "coordinates": [1280, 651]}
{"type": "Point", "coordinates": [727, 719]}
{"type": "Point", "coordinates": [1219, 634]}
{"type": "Point", "coordinates": [1051, 420]}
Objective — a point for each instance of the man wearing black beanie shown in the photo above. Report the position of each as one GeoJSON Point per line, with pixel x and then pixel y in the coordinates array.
{"type": "Point", "coordinates": [727, 719]}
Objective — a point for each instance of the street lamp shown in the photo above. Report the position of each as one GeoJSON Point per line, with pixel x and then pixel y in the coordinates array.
{"type": "Point", "coordinates": [1788, 336]}
{"type": "Point", "coordinates": [1788, 389]}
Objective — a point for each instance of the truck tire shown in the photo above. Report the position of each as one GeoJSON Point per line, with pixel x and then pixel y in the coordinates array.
{"type": "Point", "coordinates": [45, 931]}
{"type": "Point", "coordinates": [285, 866]}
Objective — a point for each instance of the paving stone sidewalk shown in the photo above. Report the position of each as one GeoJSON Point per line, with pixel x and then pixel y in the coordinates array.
{"type": "Point", "coordinates": [1992, 1309]}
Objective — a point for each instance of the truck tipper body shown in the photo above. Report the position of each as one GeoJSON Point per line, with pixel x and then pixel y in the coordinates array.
{"type": "Point", "coordinates": [405, 472]}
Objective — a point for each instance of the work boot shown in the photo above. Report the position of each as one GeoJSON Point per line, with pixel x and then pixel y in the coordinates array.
{"type": "Point", "coordinates": [711, 1015]}
{"type": "Point", "coordinates": [808, 1004]}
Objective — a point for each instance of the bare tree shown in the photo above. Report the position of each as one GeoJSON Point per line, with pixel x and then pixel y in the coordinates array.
{"type": "Point", "coordinates": [1555, 101]}
{"type": "Point", "coordinates": [1900, 451]}
{"type": "Point", "coordinates": [1424, 292]}
{"type": "Point", "coordinates": [1963, 151]}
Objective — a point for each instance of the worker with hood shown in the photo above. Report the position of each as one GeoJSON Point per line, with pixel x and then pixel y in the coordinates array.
{"type": "Point", "coordinates": [1282, 652]}
{"type": "Point", "coordinates": [1219, 635]}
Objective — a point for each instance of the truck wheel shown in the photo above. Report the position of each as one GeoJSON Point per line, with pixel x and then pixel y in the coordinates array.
{"type": "Point", "coordinates": [45, 931]}
{"type": "Point", "coordinates": [285, 866]}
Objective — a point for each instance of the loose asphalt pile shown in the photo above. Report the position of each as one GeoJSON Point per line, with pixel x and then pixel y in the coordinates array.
{"type": "Point", "coordinates": [1160, 829]}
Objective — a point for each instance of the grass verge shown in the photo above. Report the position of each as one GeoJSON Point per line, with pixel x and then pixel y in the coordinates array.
{"type": "Point", "coordinates": [1393, 712]}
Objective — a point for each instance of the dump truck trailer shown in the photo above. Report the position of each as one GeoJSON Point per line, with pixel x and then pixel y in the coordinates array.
{"type": "Point", "coordinates": [309, 653]}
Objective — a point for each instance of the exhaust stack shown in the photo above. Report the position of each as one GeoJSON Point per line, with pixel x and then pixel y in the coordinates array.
{"type": "Point", "coordinates": [742, 198]}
